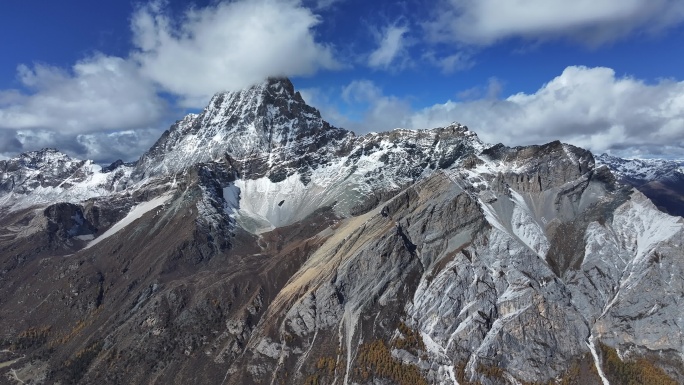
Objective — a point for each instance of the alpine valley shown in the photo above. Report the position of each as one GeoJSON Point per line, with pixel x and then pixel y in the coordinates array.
{"type": "Point", "coordinates": [255, 243]}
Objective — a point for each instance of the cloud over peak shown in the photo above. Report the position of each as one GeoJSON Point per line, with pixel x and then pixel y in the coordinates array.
{"type": "Point", "coordinates": [227, 46]}
{"type": "Point", "coordinates": [109, 103]}
{"type": "Point", "coordinates": [179, 59]}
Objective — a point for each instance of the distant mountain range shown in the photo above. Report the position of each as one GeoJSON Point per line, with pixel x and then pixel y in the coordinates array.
{"type": "Point", "coordinates": [255, 243]}
{"type": "Point", "coordinates": [660, 180]}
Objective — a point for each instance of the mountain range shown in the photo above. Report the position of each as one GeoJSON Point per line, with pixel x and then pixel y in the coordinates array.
{"type": "Point", "coordinates": [255, 243]}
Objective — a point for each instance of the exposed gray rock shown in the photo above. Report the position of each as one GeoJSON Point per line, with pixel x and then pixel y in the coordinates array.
{"type": "Point", "coordinates": [256, 244]}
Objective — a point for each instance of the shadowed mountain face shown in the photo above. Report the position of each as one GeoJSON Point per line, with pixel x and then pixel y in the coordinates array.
{"type": "Point", "coordinates": [254, 243]}
{"type": "Point", "coordinates": [661, 181]}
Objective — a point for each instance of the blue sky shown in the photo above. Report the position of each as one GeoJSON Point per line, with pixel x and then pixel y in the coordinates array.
{"type": "Point", "coordinates": [103, 80]}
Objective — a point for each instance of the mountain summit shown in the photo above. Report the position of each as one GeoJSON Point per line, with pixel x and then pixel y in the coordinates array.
{"type": "Point", "coordinates": [254, 243]}
{"type": "Point", "coordinates": [265, 124]}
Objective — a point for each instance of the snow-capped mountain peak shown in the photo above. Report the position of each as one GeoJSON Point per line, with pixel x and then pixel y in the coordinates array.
{"type": "Point", "coordinates": [644, 170]}
{"type": "Point", "coordinates": [659, 179]}
{"type": "Point", "coordinates": [259, 122]}
{"type": "Point", "coordinates": [48, 176]}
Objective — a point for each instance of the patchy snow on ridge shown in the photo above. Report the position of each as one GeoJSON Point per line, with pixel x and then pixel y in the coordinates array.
{"type": "Point", "coordinates": [641, 169]}
{"type": "Point", "coordinates": [90, 183]}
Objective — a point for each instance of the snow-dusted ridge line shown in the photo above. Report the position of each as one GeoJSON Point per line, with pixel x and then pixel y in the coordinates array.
{"type": "Point", "coordinates": [41, 179]}
{"type": "Point", "coordinates": [641, 169]}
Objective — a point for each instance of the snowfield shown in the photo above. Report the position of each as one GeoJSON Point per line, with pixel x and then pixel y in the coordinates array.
{"type": "Point", "coordinates": [135, 213]}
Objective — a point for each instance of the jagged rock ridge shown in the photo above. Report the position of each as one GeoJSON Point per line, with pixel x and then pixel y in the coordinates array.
{"type": "Point", "coordinates": [255, 243]}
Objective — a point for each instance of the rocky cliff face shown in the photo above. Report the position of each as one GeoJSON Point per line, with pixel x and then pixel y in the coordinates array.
{"type": "Point", "coordinates": [254, 244]}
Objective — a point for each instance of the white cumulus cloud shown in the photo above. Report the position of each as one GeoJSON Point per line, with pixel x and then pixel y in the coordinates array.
{"type": "Point", "coordinates": [591, 22]}
{"type": "Point", "coordinates": [96, 96]}
{"type": "Point", "coordinates": [391, 47]}
{"type": "Point", "coordinates": [98, 93]}
{"type": "Point", "coordinates": [227, 46]}
{"type": "Point", "coordinates": [589, 107]}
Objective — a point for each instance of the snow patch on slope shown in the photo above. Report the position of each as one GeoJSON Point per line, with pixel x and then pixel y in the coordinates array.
{"type": "Point", "coordinates": [135, 213]}
{"type": "Point", "coordinates": [597, 361]}
{"type": "Point", "coordinates": [526, 228]}
{"type": "Point", "coordinates": [231, 195]}
{"type": "Point", "coordinates": [265, 205]}
{"type": "Point", "coordinates": [642, 226]}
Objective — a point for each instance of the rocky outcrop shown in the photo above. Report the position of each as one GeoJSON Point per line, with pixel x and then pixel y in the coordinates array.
{"type": "Point", "coordinates": [66, 221]}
